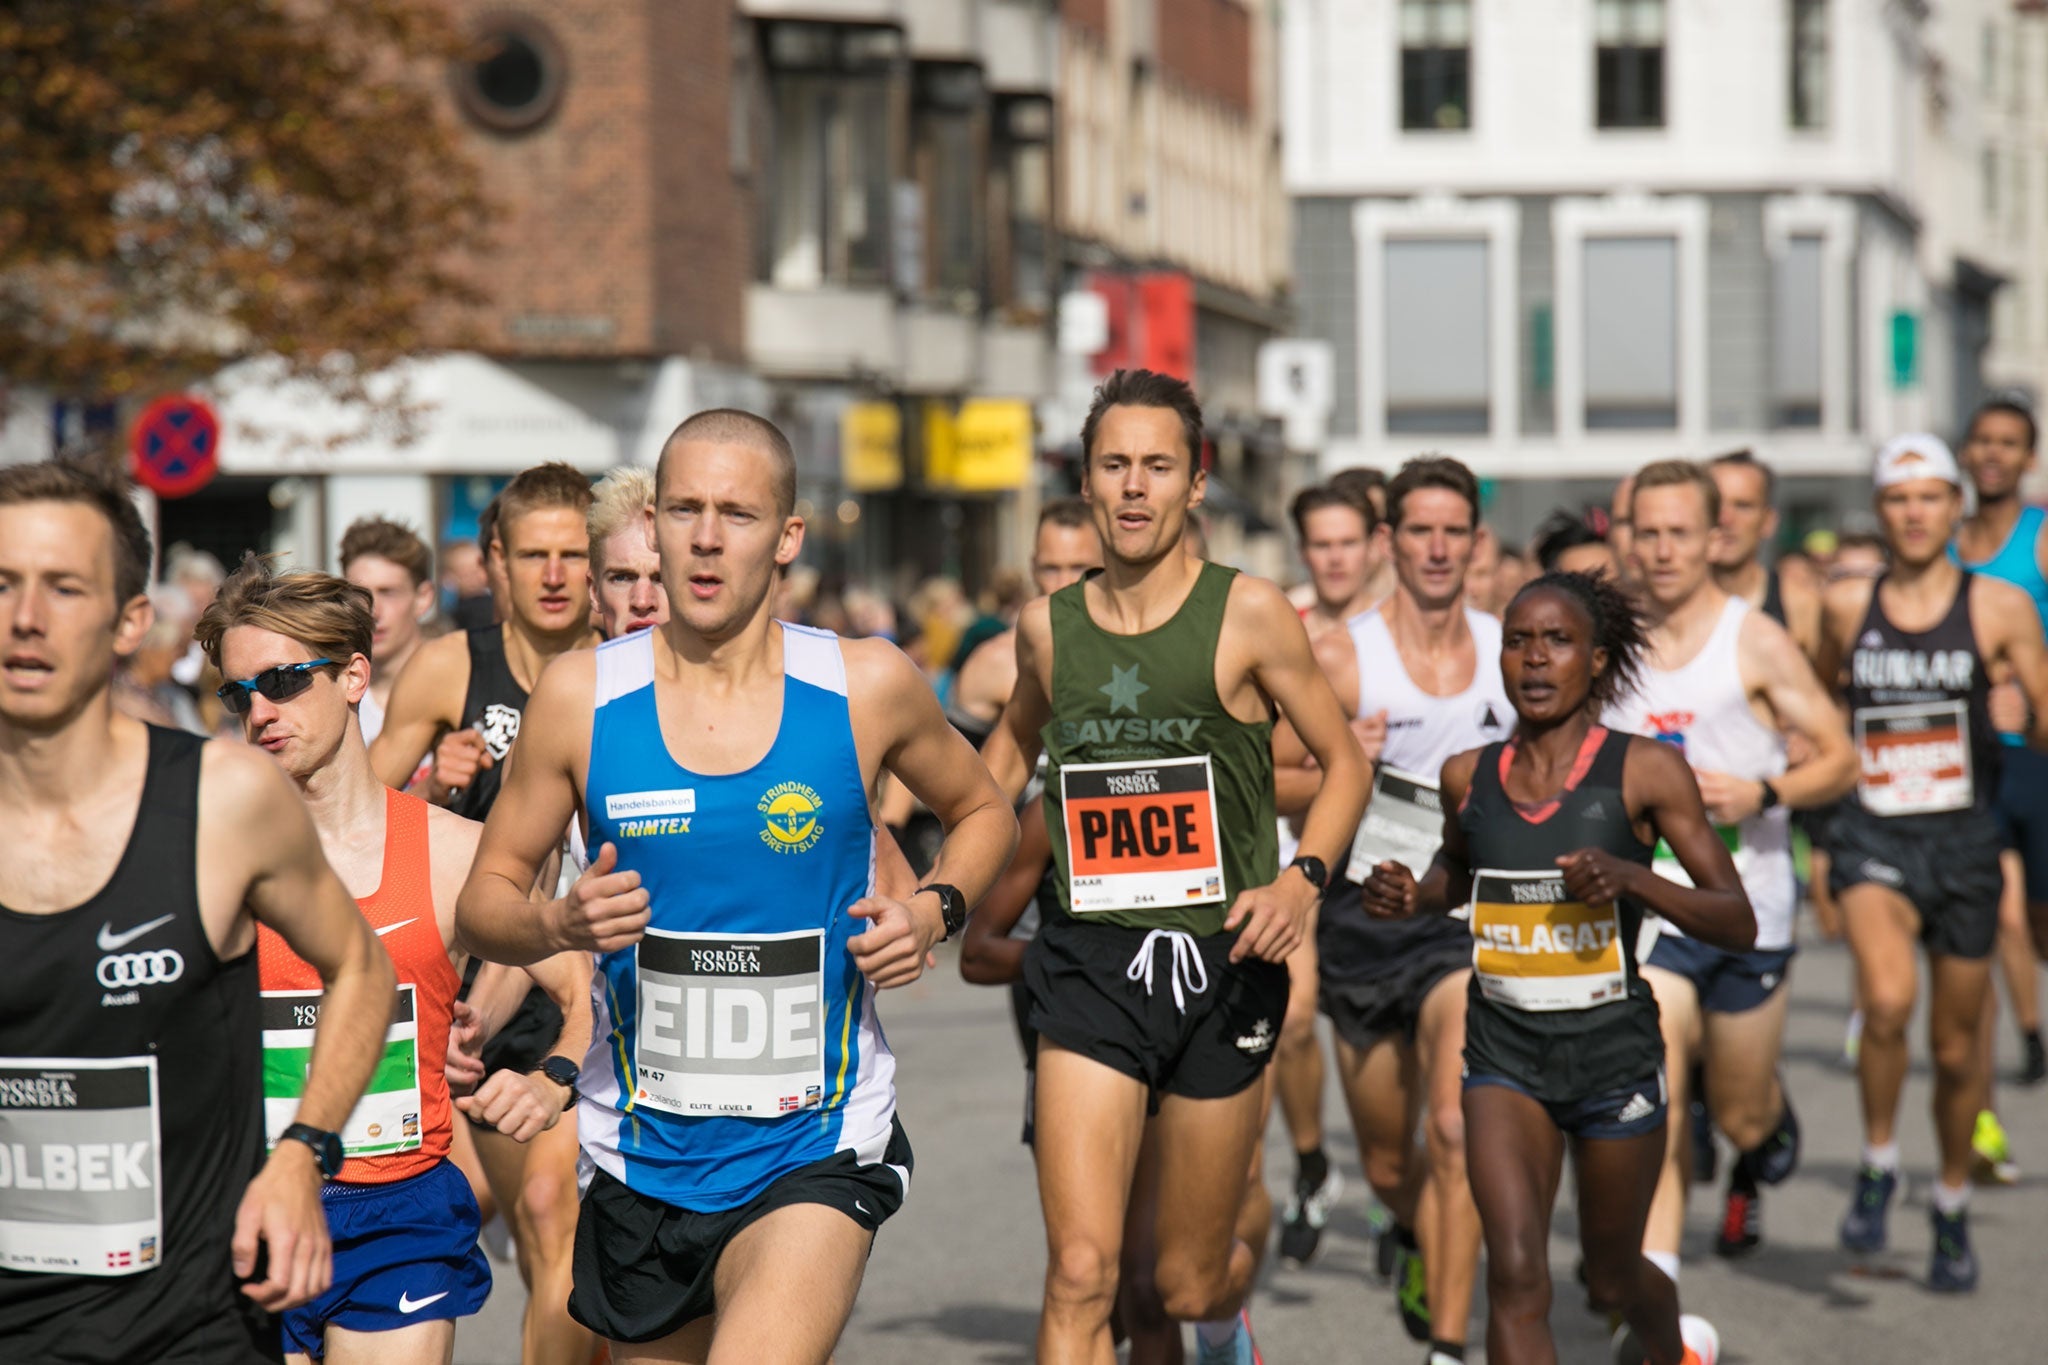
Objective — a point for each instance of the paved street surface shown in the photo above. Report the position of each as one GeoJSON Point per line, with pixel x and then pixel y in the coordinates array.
{"type": "Point", "coordinates": [956, 1276]}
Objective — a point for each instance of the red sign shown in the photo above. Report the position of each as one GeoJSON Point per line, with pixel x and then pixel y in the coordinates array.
{"type": "Point", "coordinates": [174, 450]}
{"type": "Point", "coordinates": [1151, 322]}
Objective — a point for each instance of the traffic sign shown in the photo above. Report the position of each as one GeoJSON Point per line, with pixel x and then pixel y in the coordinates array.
{"type": "Point", "coordinates": [174, 449]}
{"type": "Point", "coordinates": [1297, 383]}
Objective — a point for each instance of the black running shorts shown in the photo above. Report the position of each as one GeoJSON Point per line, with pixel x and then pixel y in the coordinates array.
{"type": "Point", "coordinates": [645, 1270]}
{"type": "Point", "coordinates": [1090, 995]}
{"type": "Point", "coordinates": [1376, 974]}
{"type": "Point", "coordinates": [1947, 866]}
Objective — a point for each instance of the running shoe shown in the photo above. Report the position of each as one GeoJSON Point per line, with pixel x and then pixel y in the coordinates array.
{"type": "Point", "coordinates": [1411, 1292]}
{"type": "Point", "coordinates": [2035, 1069]}
{"type": "Point", "coordinates": [1239, 1350]}
{"type": "Point", "coordinates": [1386, 1251]}
{"type": "Point", "coordinates": [1702, 1343]}
{"type": "Point", "coordinates": [1954, 1268]}
{"type": "Point", "coordinates": [1306, 1215]}
{"type": "Point", "coordinates": [1994, 1164]}
{"type": "Point", "coordinates": [1741, 1223]}
{"type": "Point", "coordinates": [1778, 1156]}
{"type": "Point", "coordinates": [1863, 1226]}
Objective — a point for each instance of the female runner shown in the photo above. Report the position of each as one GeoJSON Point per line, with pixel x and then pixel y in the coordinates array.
{"type": "Point", "coordinates": [1547, 838]}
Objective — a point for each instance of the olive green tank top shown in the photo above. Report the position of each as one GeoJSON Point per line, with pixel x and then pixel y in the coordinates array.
{"type": "Point", "coordinates": [1158, 801]}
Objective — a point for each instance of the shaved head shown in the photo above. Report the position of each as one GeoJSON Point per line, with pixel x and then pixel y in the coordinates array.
{"type": "Point", "coordinates": [731, 426]}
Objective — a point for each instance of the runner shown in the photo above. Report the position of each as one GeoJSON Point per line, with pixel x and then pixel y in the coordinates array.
{"type": "Point", "coordinates": [1916, 846]}
{"type": "Point", "coordinates": [730, 1175]}
{"type": "Point", "coordinates": [625, 573]}
{"type": "Point", "coordinates": [1342, 555]}
{"type": "Point", "coordinates": [1149, 684]}
{"type": "Point", "coordinates": [394, 566]}
{"type": "Point", "coordinates": [1564, 543]}
{"type": "Point", "coordinates": [1064, 550]}
{"type": "Point", "coordinates": [129, 1042]}
{"type": "Point", "coordinates": [2005, 540]}
{"type": "Point", "coordinates": [402, 1216]}
{"type": "Point", "coordinates": [1547, 839]}
{"type": "Point", "coordinates": [1723, 681]}
{"type": "Point", "coordinates": [1422, 674]}
{"type": "Point", "coordinates": [1363, 484]}
{"type": "Point", "coordinates": [462, 698]}
{"type": "Point", "coordinates": [1787, 590]}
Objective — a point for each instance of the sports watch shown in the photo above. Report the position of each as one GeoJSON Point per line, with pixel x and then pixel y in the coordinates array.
{"type": "Point", "coordinates": [564, 1073]}
{"type": "Point", "coordinates": [1312, 868]}
{"type": "Point", "coordinates": [1769, 798]}
{"type": "Point", "coordinates": [327, 1153]}
{"type": "Point", "coordinates": [952, 906]}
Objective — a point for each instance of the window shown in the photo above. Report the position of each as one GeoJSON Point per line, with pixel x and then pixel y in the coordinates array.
{"type": "Point", "coordinates": [951, 132]}
{"type": "Point", "coordinates": [1629, 63]}
{"type": "Point", "coordinates": [1436, 65]}
{"type": "Point", "coordinates": [1796, 334]}
{"type": "Point", "coordinates": [1020, 208]}
{"type": "Point", "coordinates": [515, 79]}
{"type": "Point", "coordinates": [828, 202]}
{"type": "Point", "coordinates": [1437, 336]}
{"type": "Point", "coordinates": [1809, 63]}
{"type": "Point", "coordinates": [1631, 344]}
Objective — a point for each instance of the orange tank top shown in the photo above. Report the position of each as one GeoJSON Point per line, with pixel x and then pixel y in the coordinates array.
{"type": "Point", "coordinates": [403, 1124]}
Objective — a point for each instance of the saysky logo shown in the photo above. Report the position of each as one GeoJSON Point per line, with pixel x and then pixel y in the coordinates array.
{"type": "Point", "coordinates": [1123, 689]}
{"type": "Point", "coordinates": [791, 816]}
{"type": "Point", "coordinates": [1259, 1040]}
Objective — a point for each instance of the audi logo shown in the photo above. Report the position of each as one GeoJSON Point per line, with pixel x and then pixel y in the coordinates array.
{"type": "Point", "coordinates": [141, 969]}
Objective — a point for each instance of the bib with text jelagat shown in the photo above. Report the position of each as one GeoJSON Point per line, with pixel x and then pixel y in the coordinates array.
{"type": "Point", "coordinates": [1535, 948]}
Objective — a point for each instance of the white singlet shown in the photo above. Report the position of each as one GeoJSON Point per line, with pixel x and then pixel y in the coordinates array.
{"type": "Point", "coordinates": [370, 715]}
{"type": "Point", "coordinates": [1704, 709]}
{"type": "Point", "coordinates": [1423, 731]}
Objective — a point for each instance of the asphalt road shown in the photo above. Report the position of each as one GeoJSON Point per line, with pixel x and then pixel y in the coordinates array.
{"type": "Point", "coordinates": [955, 1277]}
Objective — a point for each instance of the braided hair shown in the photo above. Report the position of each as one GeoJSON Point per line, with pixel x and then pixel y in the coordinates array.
{"type": "Point", "coordinates": [1618, 628]}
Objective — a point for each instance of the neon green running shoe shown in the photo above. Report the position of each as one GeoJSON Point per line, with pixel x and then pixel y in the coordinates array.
{"type": "Point", "coordinates": [1994, 1164]}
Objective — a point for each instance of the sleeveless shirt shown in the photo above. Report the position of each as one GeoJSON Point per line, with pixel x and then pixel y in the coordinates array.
{"type": "Point", "coordinates": [1919, 714]}
{"type": "Point", "coordinates": [130, 1104]}
{"type": "Point", "coordinates": [402, 1125]}
{"type": "Point", "coordinates": [2018, 562]}
{"type": "Point", "coordinates": [737, 1041]}
{"type": "Point", "coordinates": [1158, 801]}
{"type": "Point", "coordinates": [492, 707]}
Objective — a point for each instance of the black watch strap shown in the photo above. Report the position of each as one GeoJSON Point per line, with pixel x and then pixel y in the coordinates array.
{"type": "Point", "coordinates": [1313, 869]}
{"type": "Point", "coordinates": [564, 1073]}
{"type": "Point", "coordinates": [327, 1151]}
{"type": "Point", "coordinates": [952, 906]}
{"type": "Point", "coordinates": [1770, 796]}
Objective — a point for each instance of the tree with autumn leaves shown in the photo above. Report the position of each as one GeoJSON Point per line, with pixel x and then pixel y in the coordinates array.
{"type": "Point", "coordinates": [188, 183]}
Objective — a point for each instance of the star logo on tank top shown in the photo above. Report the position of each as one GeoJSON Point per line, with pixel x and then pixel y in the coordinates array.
{"type": "Point", "coordinates": [499, 727]}
{"type": "Point", "coordinates": [791, 815]}
{"type": "Point", "coordinates": [1123, 689]}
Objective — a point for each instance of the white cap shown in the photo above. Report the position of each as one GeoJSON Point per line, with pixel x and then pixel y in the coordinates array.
{"type": "Point", "coordinates": [1916, 455]}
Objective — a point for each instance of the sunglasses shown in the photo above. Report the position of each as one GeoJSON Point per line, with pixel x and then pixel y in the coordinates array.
{"type": "Point", "coordinates": [276, 684]}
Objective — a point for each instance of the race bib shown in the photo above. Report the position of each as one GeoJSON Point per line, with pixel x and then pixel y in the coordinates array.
{"type": "Point", "coordinates": [1535, 948]}
{"type": "Point", "coordinates": [1915, 760]}
{"type": "Point", "coordinates": [387, 1118]}
{"type": "Point", "coordinates": [731, 1023]}
{"type": "Point", "coordinates": [81, 1169]}
{"type": "Point", "coordinates": [1141, 836]}
{"type": "Point", "coordinates": [1404, 823]}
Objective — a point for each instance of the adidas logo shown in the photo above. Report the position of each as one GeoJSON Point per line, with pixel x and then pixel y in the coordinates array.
{"type": "Point", "coordinates": [1594, 811]}
{"type": "Point", "coordinates": [1635, 1110]}
{"type": "Point", "coordinates": [1872, 639]}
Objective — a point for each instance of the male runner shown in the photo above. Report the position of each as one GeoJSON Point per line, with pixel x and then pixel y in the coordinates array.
{"type": "Point", "coordinates": [1342, 556]}
{"type": "Point", "coordinates": [738, 1105]}
{"type": "Point", "coordinates": [402, 1216]}
{"type": "Point", "coordinates": [462, 698]}
{"type": "Point", "coordinates": [141, 861]}
{"type": "Point", "coordinates": [1064, 550]}
{"type": "Point", "coordinates": [1786, 590]}
{"type": "Point", "coordinates": [1723, 681]}
{"type": "Point", "coordinates": [2006, 540]}
{"type": "Point", "coordinates": [1158, 979]}
{"type": "Point", "coordinates": [1916, 846]}
{"type": "Point", "coordinates": [625, 573]}
{"type": "Point", "coordinates": [394, 566]}
{"type": "Point", "coordinates": [1422, 674]}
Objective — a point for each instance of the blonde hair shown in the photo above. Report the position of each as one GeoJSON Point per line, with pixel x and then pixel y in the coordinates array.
{"type": "Point", "coordinates": [1679, 474]}
{"type": "Point", "coordinates": [327, 615]}
{"type": "Point", "coordinates": [619, 500]}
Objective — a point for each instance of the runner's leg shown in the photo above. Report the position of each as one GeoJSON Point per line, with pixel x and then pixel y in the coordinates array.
{"type": "Point", "coordinates": [1091, 1121]}
{"type": "Point", "coordinates": [1516, 1155]}
{"type": "Point", "coordinates": [1678, 1016]}
{"type": "Point", "coordinates": [1955, 1014]}
{"type": "Point", "coordinates": [1154, 1337]}
{"type": "Point", "coordinates": [786, 1286]}
{"type": "Point", "coordinates": [1379, 1091]}
{"type": "Point", "coordinates": [690, 1346]}
{"type": "Point", "coordinates": [1449, 1229]}
{"type": "Point", "coordinates": [423, 1343]}
{"type": "Point", "coordinates": [462, 1151]}
{"type": "Point", "coordinates": [1298, 1062]}
{"type": "Point", "coordinates": [1205, 1148]}
{"type": "Point", "coordinates": [536, 1181]}
{"type": "Point", "coordinates": [1742, 1052]}
{"type": "Point", "coordinates": [1616, 1179]}
{"type": "Point", "coordinates": [1883, 932]}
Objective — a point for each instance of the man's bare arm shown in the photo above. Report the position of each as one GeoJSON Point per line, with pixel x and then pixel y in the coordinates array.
{"type": "Point", "coordinates": [1768, 654]}
{"type": "Point", "coordinates": [1285, 668]}
{"type": "Point", "coordinates": [2015, 628]}
{"type": "Point", "coordinates": [425, 700]}
{"type": "Point", "coordinates": [1011, 752]}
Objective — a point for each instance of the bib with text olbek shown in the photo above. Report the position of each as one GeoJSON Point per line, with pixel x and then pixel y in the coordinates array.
{"type": "Point", "coordinates": [1404, 823]}
{"type": "Point", "coordinates": [1914, 760]}
{"type": "Point", "coordinates": [81, 1166]}
{"type": "Point", "coordinates": [1536, 949]}
{"type": "Point", "coordinates": [387, 1118]}
{"type": "Point", "coordinates": [731, 1024]}
{"type": "Point", "coordinates": [1141, 835]}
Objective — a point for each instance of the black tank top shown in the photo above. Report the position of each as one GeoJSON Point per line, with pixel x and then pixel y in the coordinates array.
{"type": "Point", "coordinates": [492, 708]}
{"type": "Point", "coordinates": [1919, 711]}
{"type": "Point", "coordinates": [131, 1105]}
{"type": "Point", "coordinates": [1773, 604]}
{"type": "Point", "coordinates": [1607, 1038]}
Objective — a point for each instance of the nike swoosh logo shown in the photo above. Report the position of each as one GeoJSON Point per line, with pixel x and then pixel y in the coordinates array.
{"type": "Point", "coordinates": [380, 933]}
{"type": "Point", "coordinates": [412, 1305]}
{"type": "Point", "coordinates": [109, 940]}
{"type": "Point", "coordinates": [862, 1207]}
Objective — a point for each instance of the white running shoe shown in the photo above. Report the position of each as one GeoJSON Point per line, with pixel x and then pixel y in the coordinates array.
{"type": "Point", "coordinates": [1700, 1338]}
